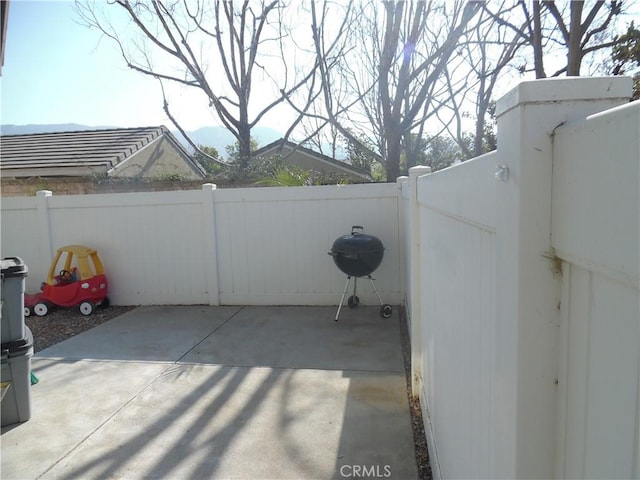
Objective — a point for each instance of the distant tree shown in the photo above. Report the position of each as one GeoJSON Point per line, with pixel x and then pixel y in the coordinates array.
{"type": "Point", "coordinates": [234, 154]}
{"type": "Point", "coordinates": [472, 145]}
{"type": "Point", "coordinates": [205, 156]}
{"type": "Point", "coordinates": [359, 157]}
{"type": "Point", "coordinates": [490, 141]}
{"type": "Point", "coordinates": [626, 55]}
{"type": "Point", "coordinates": [441, 152]}
{"type": "Point", "coordinates": [237, 171]}
{"type": "Point", "coordinates": [274, 172]}
{"type": "Point", "coordinates": [414, 148]}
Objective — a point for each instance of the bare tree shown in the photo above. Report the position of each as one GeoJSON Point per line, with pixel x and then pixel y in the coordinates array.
{"type": "Point", "coordinates": [488, 51]}
{"type": "Point", "coordinates": [578, 27]}
{"type": "Point", "coordinates": [320, 134]}
{"type": "Point", "coordinates": [581, 33]}
{"type": "Point", "coordinates": [391, 88]}
{"type": "Point", "coordinates": [332, 44]}
{"type": "Point", "coordinates": [180, 41]}
{"type": "Point", "coordinates": [500, 32]}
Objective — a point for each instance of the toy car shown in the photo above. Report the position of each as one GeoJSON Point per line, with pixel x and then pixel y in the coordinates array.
{"type": "Point", "coordinates": [80, 281]}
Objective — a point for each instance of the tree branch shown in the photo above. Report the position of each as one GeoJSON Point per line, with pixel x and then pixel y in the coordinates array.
{"type": "Point", "coordinates": [551, 7]}
{"type": "Point", "coordinates": [165, 107]}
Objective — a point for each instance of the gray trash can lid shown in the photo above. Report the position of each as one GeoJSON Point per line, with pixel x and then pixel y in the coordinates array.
{"type": "Point", "coordinates": [13, 267]}
{"type": "Point", "coordinates": [18, 347]}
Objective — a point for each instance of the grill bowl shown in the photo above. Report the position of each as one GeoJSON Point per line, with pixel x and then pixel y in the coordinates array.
{"type": "Point", "coordinates": [357, 254]}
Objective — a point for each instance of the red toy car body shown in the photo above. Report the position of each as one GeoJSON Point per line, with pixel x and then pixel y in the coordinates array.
{"type": "Point", "coordinates": [81, 282]}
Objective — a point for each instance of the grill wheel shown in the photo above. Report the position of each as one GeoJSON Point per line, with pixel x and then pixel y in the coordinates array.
{"type": "Point", "coordinates": [353, 301]}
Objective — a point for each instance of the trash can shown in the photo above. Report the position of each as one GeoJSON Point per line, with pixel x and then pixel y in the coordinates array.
{"type": "Point", "coordinates": [14, 272]}
{"type": "Point", "coordinates": [16, 380]}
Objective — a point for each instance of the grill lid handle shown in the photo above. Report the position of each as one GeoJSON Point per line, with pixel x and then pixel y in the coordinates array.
{"type": "Point", "coordinates": [357, 227]}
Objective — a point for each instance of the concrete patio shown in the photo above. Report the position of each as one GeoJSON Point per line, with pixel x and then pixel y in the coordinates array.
{"type": "Point", "coordinates": [220, 392]}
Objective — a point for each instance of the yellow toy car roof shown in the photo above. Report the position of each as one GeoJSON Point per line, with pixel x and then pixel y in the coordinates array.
{"type": "Point", "coordinates": [88, 262]}
{"type": "Point", "coordinates": [77, 250]}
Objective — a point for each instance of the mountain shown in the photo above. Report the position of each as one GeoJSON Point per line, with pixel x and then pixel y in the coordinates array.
{"type": "Point", "coordinates": [218, 137]}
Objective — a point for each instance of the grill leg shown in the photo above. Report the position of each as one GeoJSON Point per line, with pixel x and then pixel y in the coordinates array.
{"type": "Point", "coordinates": [376, 290]}
{"type": "Point", "coordinates": [344, 293]}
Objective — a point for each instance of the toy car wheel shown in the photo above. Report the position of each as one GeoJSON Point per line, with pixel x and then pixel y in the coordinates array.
{"type": "Point", "coordinates": [27, 311]}
{"type": "Point", "coordinates": [86, 308]}
{"type": "Point", "coordinates": [105, 303]}
{"type": "Point", "coordinates": [41, 309]}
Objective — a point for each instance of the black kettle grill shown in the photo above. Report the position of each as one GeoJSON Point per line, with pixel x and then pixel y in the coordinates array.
{"type": "Point", "coordinates": [358, 255]}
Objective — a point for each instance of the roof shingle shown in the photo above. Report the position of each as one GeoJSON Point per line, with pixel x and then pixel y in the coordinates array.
{"type": "Point", "coordinates": [96, 149]}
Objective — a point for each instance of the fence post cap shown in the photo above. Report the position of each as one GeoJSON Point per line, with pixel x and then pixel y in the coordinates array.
{"type": "Point", "coordinates": [553, 90]}
{"type": "Point", "coordinates": [419, 170]}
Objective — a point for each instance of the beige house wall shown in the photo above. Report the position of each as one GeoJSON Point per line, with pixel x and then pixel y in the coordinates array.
{"type": "Point", "coordinates": [158, 160]}
{"type": "Point", "coordinates": [305, 162]}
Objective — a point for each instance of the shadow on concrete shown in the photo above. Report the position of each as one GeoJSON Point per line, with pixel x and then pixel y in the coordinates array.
{"type": "Point", "coordinates": [249, 392]}
{"type": "Point", "coordinates": [198, 446]}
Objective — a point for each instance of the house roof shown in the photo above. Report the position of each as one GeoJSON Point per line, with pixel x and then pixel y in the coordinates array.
{"type": "Point", "coordinates": [281, 145]}
{"type": "Point", "coordinates": [80, 152]}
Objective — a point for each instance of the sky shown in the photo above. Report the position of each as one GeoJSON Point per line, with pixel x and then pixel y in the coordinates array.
{"type": "Point", "coordinates": [59, 71]}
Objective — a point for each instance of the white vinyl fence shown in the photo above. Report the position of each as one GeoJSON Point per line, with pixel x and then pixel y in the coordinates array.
{"type": "Point", "coordinates": [525, 298]}
{"type": "Point", "coordinates": [595, 231]}
{"type": "Point", "coordinates": [265, 246]}
{"type": "Point", "coordinates": [452, 312]}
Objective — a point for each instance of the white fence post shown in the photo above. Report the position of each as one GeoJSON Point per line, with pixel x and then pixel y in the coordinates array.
{"type": "Point", "coordinates": [44, 219]}
{"type": "Point", "coordinates": [403, 232]}
{"type": "Point", "coordinates": [527, 278]}
{"type": "Point", "coordinates": [210, 243]}
{"type": "Point", "coordinates": [415, 309]}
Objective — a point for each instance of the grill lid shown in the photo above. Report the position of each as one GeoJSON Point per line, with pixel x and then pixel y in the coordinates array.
{"type": "Point", "coordinates": [357, 243]}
